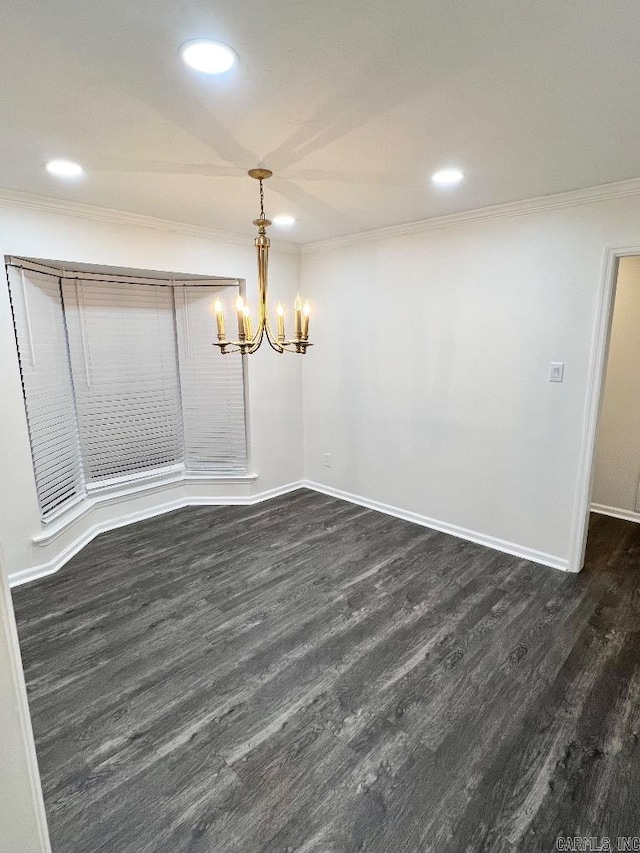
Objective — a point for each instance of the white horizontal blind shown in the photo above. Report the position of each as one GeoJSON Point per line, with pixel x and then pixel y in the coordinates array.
{"type": "Point", "coordinates": [44, 364]}
{"type": "Point", "coordinates": [123, 358]}
{"type": "Point", "coordinates": [212, 384]}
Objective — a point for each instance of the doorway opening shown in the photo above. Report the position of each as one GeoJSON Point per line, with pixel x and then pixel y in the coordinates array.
{"type": "Point", "coordinates": [612, 528]}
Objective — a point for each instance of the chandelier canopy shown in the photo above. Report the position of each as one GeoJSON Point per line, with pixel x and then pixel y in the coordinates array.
{"type": "Point", "coordinates": [248, 341]}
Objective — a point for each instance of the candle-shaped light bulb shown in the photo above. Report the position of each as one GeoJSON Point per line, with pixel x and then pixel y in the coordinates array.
{"type": "Point", "coordinates": [298, 317]}
{"type": "Point", "coordinates": [219, 319]}
{"type": "Point", "coordinates": [240, 310]}
{"type": "Point", "coordinates": [306, 311]}
{"type": "Point", "coordinates": [247, 321]}
{"type": "Point", "coordinates": [280, 320]}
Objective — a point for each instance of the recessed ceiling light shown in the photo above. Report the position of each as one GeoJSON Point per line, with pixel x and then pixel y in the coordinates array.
{"type": "Point", "coordinates": [209, 57]}
{"type": "Point", "coordinates": [64, 169]}
{"type": "Point", "coordinates": [447, 177]}
{"type": "Point", "coordinates": [283, 219]}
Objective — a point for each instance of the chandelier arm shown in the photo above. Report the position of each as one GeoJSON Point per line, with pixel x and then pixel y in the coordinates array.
{"type": "Point", "coordinates": [256, 340]}
{"type": "Point", "coordinates": [273, 343]}
{"type": "Point", "coordinates": [224, 347]}
{"type": "Point", "coordinates": [273, 339]}
{"type": "Point", "coordinates": [299, 347]}
{"type": "Point", "coordinates": [249, 347]}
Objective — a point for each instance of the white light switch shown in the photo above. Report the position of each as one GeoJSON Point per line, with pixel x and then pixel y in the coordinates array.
{"type": "Point", "coordinates": [556, 371]}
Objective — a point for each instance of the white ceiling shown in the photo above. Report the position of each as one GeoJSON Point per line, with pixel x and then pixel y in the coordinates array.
{"type": "Point", "coordinates": [353, 103]}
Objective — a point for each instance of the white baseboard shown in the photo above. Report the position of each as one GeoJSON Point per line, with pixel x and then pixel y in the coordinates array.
{"type": "Point", "coordinates": [44, 569]}
{"type": "Point", "coordinates": [614, 512]}
{"type": "Point", "coordinates": [125, 493]}
{"type": "Point", "coordinates": [52, 566]}
{"type": "Point", "coordinates": [444, 527]}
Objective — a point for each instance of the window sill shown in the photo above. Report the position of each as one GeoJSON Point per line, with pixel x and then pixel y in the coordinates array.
{"type": "Point", "coordinates": [168, 474]}
{"type": "Point", "coordinates": [106, 494]}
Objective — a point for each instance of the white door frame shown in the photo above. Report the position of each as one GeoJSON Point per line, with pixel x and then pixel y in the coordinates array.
{"type": "Point", "coordinates": [595, 387]}
{"type": "Point", "coordinates": [23, 823]}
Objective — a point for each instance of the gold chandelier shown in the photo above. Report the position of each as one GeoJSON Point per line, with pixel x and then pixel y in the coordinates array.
{"type": "Point", "coordinates": [248, 341]}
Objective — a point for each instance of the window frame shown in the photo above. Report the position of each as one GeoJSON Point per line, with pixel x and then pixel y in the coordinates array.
{"type": "Point", "coordinates": [134, 482]}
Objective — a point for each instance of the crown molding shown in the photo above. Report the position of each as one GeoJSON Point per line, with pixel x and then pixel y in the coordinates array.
{"type": "Point", "coordinates": [571, 198]}
{"type": "Point", "coordinates": [588, 195]}
{"type": "Point", "coordinates": [63, 207]}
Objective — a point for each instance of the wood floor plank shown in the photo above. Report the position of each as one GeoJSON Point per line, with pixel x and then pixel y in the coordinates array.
{"type": "Point", "coordinates": [308, 676]}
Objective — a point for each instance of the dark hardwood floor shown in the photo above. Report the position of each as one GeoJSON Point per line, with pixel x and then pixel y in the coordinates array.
{"type": "Point", "coordinates": [306, 675]}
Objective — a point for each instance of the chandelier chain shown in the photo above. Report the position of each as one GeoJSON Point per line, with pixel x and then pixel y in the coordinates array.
{"type": "Point", "coordinates": [261, 200]}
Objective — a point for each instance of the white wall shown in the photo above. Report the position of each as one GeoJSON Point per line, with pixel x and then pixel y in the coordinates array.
{"type": "Point", "coordinates": [617, 469]}
{"type": "Point", "coordinates": [428, 385]}
{"type": "Point", "coordinates": [429, 382]}
{"type": "Point", "coordinates": [275, 394]}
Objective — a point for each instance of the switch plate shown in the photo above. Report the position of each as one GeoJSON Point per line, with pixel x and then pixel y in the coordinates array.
{"type": "Point", "coordinates": [327, 460]}
{"type": "Point", "coordinates": [556, 371]}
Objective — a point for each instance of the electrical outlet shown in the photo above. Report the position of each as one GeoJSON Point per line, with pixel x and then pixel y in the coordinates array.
{"type": "Point", "coordinates": [327, 460]}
